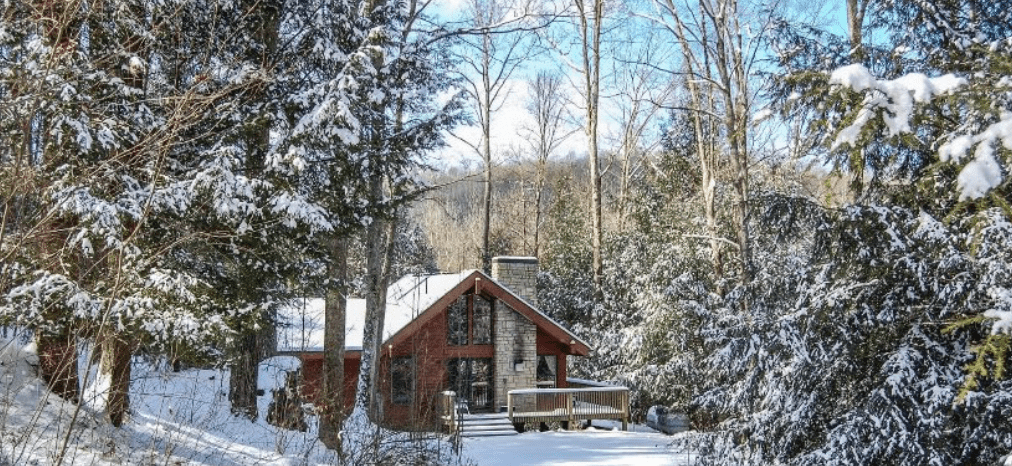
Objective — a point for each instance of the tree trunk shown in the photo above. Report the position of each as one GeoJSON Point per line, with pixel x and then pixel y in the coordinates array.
{"type": "Point", "coordinates": [385, 243]}
{"type": "Point", "coordinates": [252, 346]}
{"type": "Point", "coordinates": [364, 396]}
{"type": "Point", "coordinates": [855, 24]}
{"type": "Point", "coordinates": [486, 199]}
{"type": "Point", "coordinates": [332, 401]}
{"type": "Point", "coordinates": [705, 151]}
{"type": "Point", "coordinates": [539, 186]}
{"type": "Point", "coordinates": [734, 89]}
{"type": "Point", "coordinates": [242, 383]}
{"type": "Point", "coordinates": [114, 366]}
{"type": "Point", "coordinates": [547, 109]}
{"type": "Point", "coordinates": [58, 363]}
{"type": "Point", "coordinates": [590, 33]}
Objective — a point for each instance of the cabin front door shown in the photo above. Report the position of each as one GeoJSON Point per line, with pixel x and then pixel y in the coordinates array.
{"type": "Point", "coordinates": [472, 379]}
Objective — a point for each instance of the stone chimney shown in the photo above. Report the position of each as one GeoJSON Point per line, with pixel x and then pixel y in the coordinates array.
{"type": "Point", "coordinates": [519, 275]}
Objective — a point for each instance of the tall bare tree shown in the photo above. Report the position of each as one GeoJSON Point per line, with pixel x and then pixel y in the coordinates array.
{"type": "Point", "coordinates": [490, 54]}
{"type": "Point", "coordinates": [547, 106]}
{"type": "Point", "coordinates": [718, 63]}
{"type": "Point", "coordinates": [590, 23]}
{"type": "Point", "coordinates": [641, 90]}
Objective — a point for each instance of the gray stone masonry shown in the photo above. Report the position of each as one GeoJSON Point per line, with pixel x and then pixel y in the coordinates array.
{"type": "Point", "coordinates": [515, 341]}
{"type": "Point", "coordinates": [519, 275]}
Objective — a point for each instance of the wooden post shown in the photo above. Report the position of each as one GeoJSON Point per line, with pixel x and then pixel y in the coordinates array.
{"type": "Point", "coordinates": [509, 405]}
{"type": "Point", "coordinates": [572, 411]}
{"type": "Point", "coordinates": [625, 410]}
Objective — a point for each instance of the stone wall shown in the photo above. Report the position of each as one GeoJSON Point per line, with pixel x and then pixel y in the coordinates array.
{"type": "Point", "coordinates": [519, 275]}
{"type": "Point", "coordinates": [515, 339]}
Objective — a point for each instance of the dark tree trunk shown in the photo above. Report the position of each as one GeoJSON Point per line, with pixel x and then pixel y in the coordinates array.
{"type": "Point", "coordinates": [331, 402]}
{"type": "Point", "coordinates": [58, 363]}
{"type": "Point", "coordinates": [117, 350]}
{"type": "Point", "coordinates": [242, 383]}
{"type": "Point", "coordinates": [252, 346]}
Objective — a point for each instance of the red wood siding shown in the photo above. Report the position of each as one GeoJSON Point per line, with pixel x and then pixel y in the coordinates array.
{"type": "Point", "coordinates": [312, 377]}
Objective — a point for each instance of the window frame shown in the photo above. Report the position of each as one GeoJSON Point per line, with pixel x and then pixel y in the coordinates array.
{"type": "Point", "coordinates": [490, 336]}
{"type": "Point", "coordinates": [456, 333]}
{"type": "Point", "coordinates": [406, 366]}
{"type": "Point", "coordinates": [552, 363]}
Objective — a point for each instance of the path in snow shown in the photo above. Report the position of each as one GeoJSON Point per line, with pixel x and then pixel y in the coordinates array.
{"type": "Point", "coordinates": [570, 448]}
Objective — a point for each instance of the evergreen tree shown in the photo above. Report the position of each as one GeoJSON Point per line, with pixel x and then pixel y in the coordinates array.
{"type": "Point", "coordinates": [142, 209]}
{"type": "Point", "coordinates": [884, 301]}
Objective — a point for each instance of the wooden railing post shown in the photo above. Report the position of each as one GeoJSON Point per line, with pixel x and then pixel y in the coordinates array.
{"type": "Point", "coordinates": [571, 405]}
{"type": "Point", "coordinates": [450, 410]}
{"type": "Point", "coordinates": [625, 410]}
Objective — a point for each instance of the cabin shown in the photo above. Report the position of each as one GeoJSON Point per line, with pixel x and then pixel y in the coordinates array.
{"type": "Point", "coordinates": [475, 336]}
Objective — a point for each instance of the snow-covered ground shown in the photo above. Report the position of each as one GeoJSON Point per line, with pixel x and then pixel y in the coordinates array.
{"type": "Point", "coordinates": [183, 418]}
{"type": "Point", "coordinates": [568, 448]}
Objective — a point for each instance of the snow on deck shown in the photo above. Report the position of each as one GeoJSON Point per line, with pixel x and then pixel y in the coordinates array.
{"type": "Point", "coordinates": [301, 325]}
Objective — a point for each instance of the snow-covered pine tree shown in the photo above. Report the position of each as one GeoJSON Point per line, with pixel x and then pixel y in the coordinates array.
{"type": "Point", "coordinates": [855, 358]}
{"type": "Point", "coordinates": [359, 115]}
{"type": "Point", "coordinates": [138, 177]}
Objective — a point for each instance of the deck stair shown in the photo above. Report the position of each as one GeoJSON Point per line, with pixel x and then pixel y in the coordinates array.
{"type": "Point", "coordinates": [486, 425]}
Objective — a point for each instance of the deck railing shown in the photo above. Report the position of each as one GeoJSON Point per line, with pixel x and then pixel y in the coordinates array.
{"type": "Point", "coordinates": [569, 405]}
{"type": "Point", "coordinates": [450, 411]}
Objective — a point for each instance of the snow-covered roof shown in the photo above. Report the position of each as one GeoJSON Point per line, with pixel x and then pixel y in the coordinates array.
{"type": "Point", "coordinates": [301, 325]}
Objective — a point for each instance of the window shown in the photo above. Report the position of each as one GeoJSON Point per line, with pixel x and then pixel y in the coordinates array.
{"type": "Point", "coordinates": [456, 322]}
{"type": "Point", "coordinates": [401, 380]}
{"type": "Point", "coordinates": [469, 321]}
{"type": "Point", "coordinates": [471, 379]}
{"type": "Point", "coordinates": [547, 368]}
{"type": "Point", "coordinates": [482, 321]}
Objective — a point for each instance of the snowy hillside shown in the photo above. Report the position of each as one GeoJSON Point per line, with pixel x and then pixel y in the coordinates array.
{"type": "Point", "coordinates": [177, 418]}
{"type": "Point", "coordinates": [183, 418]}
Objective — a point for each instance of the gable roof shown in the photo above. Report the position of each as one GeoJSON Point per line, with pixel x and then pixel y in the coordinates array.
{"type": "Point", "coordinates": [409, 301]}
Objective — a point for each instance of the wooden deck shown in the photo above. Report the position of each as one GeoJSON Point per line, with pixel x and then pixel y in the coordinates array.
{"type": "Point", "coordinates": [569, 405]}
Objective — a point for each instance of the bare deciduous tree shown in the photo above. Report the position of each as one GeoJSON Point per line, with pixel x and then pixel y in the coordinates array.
{"type": "Point", "coordinates": [490, 57]}
{"type": "Point", "coordinates": [641, 91]}
{"type": "Point", "coordinates": [717, 63]}
{"type": "Point", "coordinates": [547, 106]}
{"type": "Point", "coordinates": [590, 23]}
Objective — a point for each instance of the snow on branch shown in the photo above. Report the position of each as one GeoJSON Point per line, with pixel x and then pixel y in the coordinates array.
{"type": "Point", "coordinates": [898, 97]}
{"type": "Point", "coordinates": [982, 173]}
